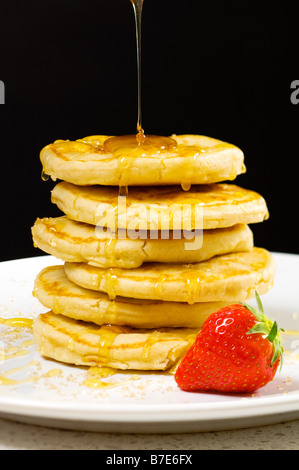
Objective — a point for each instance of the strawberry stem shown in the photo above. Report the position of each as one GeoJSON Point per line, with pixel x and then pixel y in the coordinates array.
{"type": "Point", "coordinates": [265, 326]}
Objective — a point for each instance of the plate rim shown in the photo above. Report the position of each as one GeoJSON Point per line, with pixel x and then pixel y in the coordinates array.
{"type": "Point", "coordinates": [262, 406]}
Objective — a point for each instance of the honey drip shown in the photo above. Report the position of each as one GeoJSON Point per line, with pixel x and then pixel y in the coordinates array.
{"type": "Point", "coordinates": [107, 334]}
{"type": "Point", "coordinates": [96, 374]}
{"type": "Point", "coordinates": [111, 283]}
{"type": "Point", "coordinates": [123, 191]}
{"type": "Point", "coordinates": [110, 249]}
{"type": "Point", "coordinates": [44, 176]}
{"type": "Point", "coordinates": [185, 186]}
{"type": "Point", "coordinates": [101, 372]}
{"type": "Point", "coordinates": [137, 7]}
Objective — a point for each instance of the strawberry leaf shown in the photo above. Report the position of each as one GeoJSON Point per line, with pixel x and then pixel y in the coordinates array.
{"type": "Point", "coordinates": [278, 351]}
{"type": "Point", "coordinates": [259, 328]}
{"type": "Point", "coordinates": [259, 303]}
{"type": "Point", "coordinates": [273, 332]}
{"type": "Point", "coordinates": [253, 310]}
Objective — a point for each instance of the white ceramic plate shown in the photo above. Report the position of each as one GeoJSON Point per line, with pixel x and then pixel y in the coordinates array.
{"type": "Point", "coordinates": [141, 403]}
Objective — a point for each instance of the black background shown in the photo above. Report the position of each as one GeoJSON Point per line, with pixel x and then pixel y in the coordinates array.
{"type": "Point", "coordinates": [220, 69]}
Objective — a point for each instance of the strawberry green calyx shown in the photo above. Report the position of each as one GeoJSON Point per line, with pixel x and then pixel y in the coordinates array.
{"type": "Point", "coordinates": [267, 327]}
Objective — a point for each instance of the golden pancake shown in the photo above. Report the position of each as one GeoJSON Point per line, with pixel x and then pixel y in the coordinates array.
{"type": "Point", "coordinates": [75, 342]}
{"type": "Point", "coordinates": [222, 278]}
{"type": "Point", "coordinates": [75, 241]}
{"type": "Point", "coordinates": [100, 160]}
{"type": "Point", "coordinates": [161, 208]}
{"type": "Point", "coordinates": [57, 293]}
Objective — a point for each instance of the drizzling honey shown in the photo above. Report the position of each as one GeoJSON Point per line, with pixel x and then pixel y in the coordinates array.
{"type": "Point", "coordinates": [128, 147]}
{"type": "Point", "coordinates": [137, 7]}
{"type": "Point", "coordinates": [138, 145]}
{"type": "Point", "coordinates": [156, 144]}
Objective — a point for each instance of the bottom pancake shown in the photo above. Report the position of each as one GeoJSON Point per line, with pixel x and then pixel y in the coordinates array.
{"type": "Point", "coordinates": [86, 344]}
{"type": "Point", "coordinates": [54, 290]}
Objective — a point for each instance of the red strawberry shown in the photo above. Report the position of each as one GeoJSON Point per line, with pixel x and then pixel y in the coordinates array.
{"type": "Point", "coordinates": [237, 350]}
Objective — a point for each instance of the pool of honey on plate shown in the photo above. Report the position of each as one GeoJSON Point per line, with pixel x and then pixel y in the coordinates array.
{"type": "Point", "coordinates": [16, 325]}
{"type": "Point", "coordinates": [95, 374]}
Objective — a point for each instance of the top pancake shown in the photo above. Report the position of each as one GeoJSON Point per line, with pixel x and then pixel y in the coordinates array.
{"type": "Point", "coordinates": [161, 208]}
{"type": "Point", "coordinates": [194, 159]}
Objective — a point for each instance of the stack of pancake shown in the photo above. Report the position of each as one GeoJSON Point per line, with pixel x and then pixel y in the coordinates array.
{"type": "Point", "coordinates": [145, 266]}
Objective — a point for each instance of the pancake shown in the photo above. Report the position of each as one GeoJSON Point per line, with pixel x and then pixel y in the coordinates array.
{"type": "Point", "coordinates": [161, 208]}
{"type": "Point", "coordinates": [74, 342]}
{"type": "Point", "coordinates": [57, 293]}
{"type": "Point", "coordinates": [222, 278]}
{"type": "Point", "coordinates": [192, 159]}
{"type": "Point", "coordinates": [75, 241]}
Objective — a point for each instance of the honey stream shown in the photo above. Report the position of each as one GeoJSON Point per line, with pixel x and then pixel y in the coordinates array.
{"type": "Point", "coordinates": [128, 147]}
{"type": "Point", "coordinates": [138, 7]}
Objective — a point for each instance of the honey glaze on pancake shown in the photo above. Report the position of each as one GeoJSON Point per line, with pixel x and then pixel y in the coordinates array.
{"type": "Point", "coordinates": [78, 148]}
{"type": "Point", "coordinates": [138, 145]}
{"type": "Point", "coordinates": [191, 153]}
{"type": "Point", "coordinates": [58, 228]}
{"type": "Point", "coordinates": [193, 277]}
{"type": "Point", "coordinates": [163, 207]}
{"type": "Point", "coordinates": [107, 335]}
{"type": "Point", "coordinates": [128, 147]}
{"type": "Point", "coordinates": [55, 286]}
{"type": "Point", "coordinates": [206, 194]}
